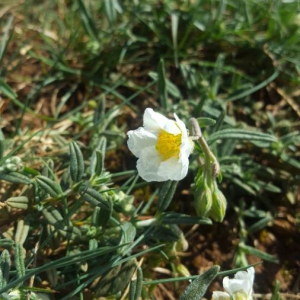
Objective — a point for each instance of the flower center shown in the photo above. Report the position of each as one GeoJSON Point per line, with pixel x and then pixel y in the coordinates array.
{"type": "Point", "coordinates": [168, 144]}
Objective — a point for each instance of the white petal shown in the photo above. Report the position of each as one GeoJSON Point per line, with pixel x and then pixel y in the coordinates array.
{"type": "Point", "coordinates": [220, 296]}
{"type": "Point", "coordinates": [140, 139]}
{"type": "Point", "coordinates": [155, 122]}
{"type": "Point", "coordinates": [148, 164]}
{"type": "Point", "coordinates": [186, 146]}
{"type": "Point", "coordinates": [245, 275]}
{"type": "Point", "coordinates": [181, 126]}
{"type": "Point", "coordinates": [173, 169]}
{"type": "Point", "coordinates": [242, 281]}
{"type": "Point", "coordinates": [233, 285]}
{"type": "Point", "coordinates": [236, 285]}
{"type": "Point", "coordinates": [247, 278]}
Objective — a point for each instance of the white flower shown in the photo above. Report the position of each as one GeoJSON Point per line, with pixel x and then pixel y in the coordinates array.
{"type": "Point", "coordinates": [162, 146]}
{"type": "Point", "coordinates": [239, 288]}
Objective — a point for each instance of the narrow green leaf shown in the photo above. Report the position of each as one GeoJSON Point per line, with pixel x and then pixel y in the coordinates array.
{"type": "Point", "coordinates": [101, 147]}
{"type": "Point", "coordinates": [5, 263]}
{"type": "Point", "coordinates": [98, 166]}
{"type": "Point", "coordinates": [166, 195]}
{"type": "Point", "coordinates": [241, 134]}
{"type": "Point", "coordinates": [95, 198]}
{"type": "Point", "coordinates": [64, 99]}
{"type": "Point", "coordinates": [128, 235]}
{"type": "Point", "coordinates": [198, 287]}
{"type": "Point", "coordinates": [99, 110]}
{"type": "Point", "coordinates": [5, 38]}
{"type": "Point", "coordinates": [177, 218]}
{"type": "Point", "coordinates": [49, 186]}
{"type": "Point", "coordinates": [172, 89]}
{"type": "Point", "coordinates": [20, 202]}
{"type": "Point", "coordinates": [276, 292]}
{"type": "Point", "coordinates": [19, 260]}
{"type": "Point", "coordinates": [132, 290]}
{"type": "Point", "coordinates": [93, 244]}
{"type": "Point", "coordinates": [95, 216]}
{"type": "Point", "coordinates": [204, 122]}
{"type": "Point", "coordinates": [139, 283]}
{"type": "Point", "coordinates": [6, 243]}
{"type": "Point", "coordinates": [76, 162]}
{"type": "Point", "coordinates": [69, 232]}
{"type": "Point", "coordinates": [104, 285]}
{"type": "Point", "coordinates": [259, 224]}
{"type": "Point", "coordinates": [162, 85]}
{"type": "Point", "coordinates": [2, 144]}
{"type": "Point", "coordinates": [259, 253]}
{"type": "Point", "coordinates": [88, 22]}
{"type": "Point", "coordinates": [105, 215]}
{"type": "Point", "coordinates": [65, 261]}
{"type": "Point", "coordinates": [8, 91]}
{"type": "Point", "coordinates": [21, 232]}
{"type": "Point", "coordinates": [174, 25]}
{"type": "Point", "coordinates": [124, 276]}
{"type": "Point", "coordinates": [255, 88]}
{"type": "Point", "coordinates": [52, 276]}
{"type": "Point", "coordinates": [52, 215]}
{"type": "Point", "coordinates": [176, 279]}
{"type": "Point", "coordinates": [15, 177]}
{"type": "Point", "coordinates": [110, 10]}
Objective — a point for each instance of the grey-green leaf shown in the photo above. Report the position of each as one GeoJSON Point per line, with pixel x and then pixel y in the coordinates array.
{"type": "Point", "coordinates": [19, 260]}
{"type": "Point", "coordinates": [259, 253]}
{"type": "Point", "coordinates": [49, 186]}
{"type": "Point", "coordinates": [241, 134]}
{"type": "Point", "coordinates": [204, 122]}
{"type": "Point", "coordinates": [5, 263]}
{"type": "Point", "coordinates": [95, 198]}
{"type": "Point", "coordinates": [166, 195]}
{"type": "Point", "coordinates": [76, 162]}
{"type": "Point", "coordinates": [198, 287]}
{"type": "Point", "coordinates": [21, 232]}
{"type": "Point", "coordinates": [52, 215]}
{"type": "Point", "coordinates": [20, 202]}
{"type": "Point", "coordinates": [124, 276]}
{"type": "Point", "coordinates": [98, 167]}
{"type": "Point", "coordinates": [15, 177]}
{"type": "Point", "coordinates": [139, 283]}
{"type": "Point", "coordinates": [162, 84]}
{"type": "Point", "coordinates": [177, 218]}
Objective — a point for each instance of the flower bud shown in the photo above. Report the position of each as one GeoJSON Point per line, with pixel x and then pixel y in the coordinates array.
{"type": "Point", "coordinates": [16, 160]}
{"type": "Point", "coordinates": [203, 200]}
{"type": "Point", "coordinates": [219, 205]}
{"type": "Point", "coordinates": [11, 167]}
{"type": "Point", "coordinates": [14, 164]}
{"type": "Point", "coordinates": [182, 244]}
{"type": "Point", "coordinates": [182, 270]}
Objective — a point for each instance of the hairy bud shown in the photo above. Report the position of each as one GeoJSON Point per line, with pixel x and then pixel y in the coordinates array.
{"type": "Point", "coordinates": [203, 200]}
{"type": "Point", "coordinates": [219, 205]}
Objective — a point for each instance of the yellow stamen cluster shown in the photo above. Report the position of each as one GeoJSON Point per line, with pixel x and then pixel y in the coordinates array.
{"type": "Point", "coordinates": [240, 296]}
{"type": "Point", "coordinates": [168, 145]}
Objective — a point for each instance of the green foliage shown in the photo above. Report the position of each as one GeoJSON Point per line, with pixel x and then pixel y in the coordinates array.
{"type": "Point", "coordinates": [199, 286]}
{"type": "Point", "coordinates": [78, 73]}
{"type": "Point", "coordinates": [76, 162]}
{"type": "Point", "coordinates": [166, 195]}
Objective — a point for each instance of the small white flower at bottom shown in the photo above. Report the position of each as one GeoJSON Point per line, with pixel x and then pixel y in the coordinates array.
{"type": "Point", "coordinates": [162, 146]}
{"type": "Point", "coordinates": [238, 288]}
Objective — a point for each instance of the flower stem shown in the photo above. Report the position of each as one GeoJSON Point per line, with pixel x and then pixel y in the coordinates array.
{"type": "Point", "coordinates": [209, 156]}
